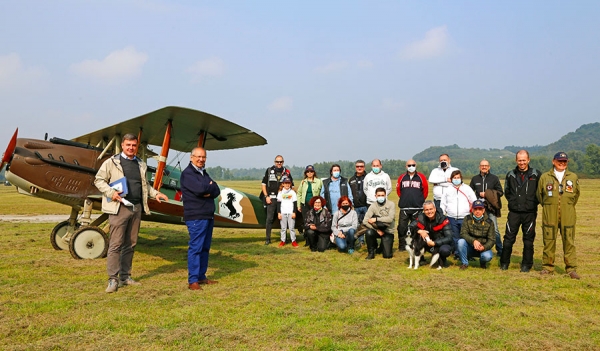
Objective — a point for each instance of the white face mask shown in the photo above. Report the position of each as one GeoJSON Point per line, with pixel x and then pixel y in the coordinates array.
{"type": "Point", "coordinates": [412, 169]}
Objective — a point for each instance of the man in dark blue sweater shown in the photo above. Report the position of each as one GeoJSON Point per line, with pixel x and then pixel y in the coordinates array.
{"type": "Point", "coordinates": [198, 192]}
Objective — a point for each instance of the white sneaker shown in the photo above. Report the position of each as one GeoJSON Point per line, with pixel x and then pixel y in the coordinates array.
{"type": "Point", "coordinates": [112, 286]}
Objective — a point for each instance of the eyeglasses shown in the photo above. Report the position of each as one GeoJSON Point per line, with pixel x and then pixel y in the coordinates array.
{"type": "Point", "coordinates": [201, 156]}
{"type": "Point", "coordinates": [484, 166]}
{"type": "Point", "coordinates": [278, 161]}
{"type": "Point", "coordinates": [413, 165]}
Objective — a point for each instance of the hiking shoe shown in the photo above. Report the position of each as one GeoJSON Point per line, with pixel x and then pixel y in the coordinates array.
{"type": "Point", "coordinates": [294, 244]}
{"type": "Point", "coordinates": [504, 267]}
{"type": "Point", "coordinates": [281, 243]}
{"type": "Point", "coordinates": [525, 268]}
{"type": "Point", "coordinates": [574, 275]}
{"type": "Point", "coordinates": [128, 281]}
{"type": "Point", "coordinates": [546, 272]}
{"type": "Point", "coordinates": [350, 251]}
{"type": "Point", "coordinates": [463, 267]}
{"type": "Point", "coordinates": [267, 242]}
{"type": "Point", "coordinates": [113, 286]}
{"type": "Point", "coordinates": [483, 264]}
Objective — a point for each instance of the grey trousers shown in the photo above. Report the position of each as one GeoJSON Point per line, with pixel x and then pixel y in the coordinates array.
{"type": "Point", "coordinates": [287, 222]}
{"type": "Point", "coordinates": [124, 229]}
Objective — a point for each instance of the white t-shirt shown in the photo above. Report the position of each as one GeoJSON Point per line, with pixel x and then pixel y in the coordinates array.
{"type": "Point", "coordinates": [287, 198]}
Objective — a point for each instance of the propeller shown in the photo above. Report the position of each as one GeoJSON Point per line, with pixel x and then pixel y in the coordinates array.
{"type": "Point", "coordinates": [10, 149]}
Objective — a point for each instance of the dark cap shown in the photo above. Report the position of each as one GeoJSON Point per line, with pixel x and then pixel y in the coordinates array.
{"type": "Point", "coordinates": [561, 156]}
{"type": "Point", "coordinates": [285, 179]}
{"type": "Point", "coordinates": [478, 204]}
{"type": "Point", "coordinates": [309, 168]}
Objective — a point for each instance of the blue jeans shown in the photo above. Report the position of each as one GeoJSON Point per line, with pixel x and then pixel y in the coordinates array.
{"type": "Point", "coordinates": [347, 242]}
{"type": "Point", "coordinates": [200, 239]}
{"type": "Point", "coordinates": [456, 225]}
{"type": "Point", "coordinates": [466, 251]}
{"type": "Point", "coordinates": [498, 239]}
{"type": "Point", "coordinates": [361, 212]}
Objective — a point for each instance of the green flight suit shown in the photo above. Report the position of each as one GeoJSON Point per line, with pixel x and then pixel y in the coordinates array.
{"type": "Point", "coordinates": [558, 201]}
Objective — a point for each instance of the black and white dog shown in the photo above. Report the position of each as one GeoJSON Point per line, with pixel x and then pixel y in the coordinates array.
{"type": "Point", "coordinates": [416, 247]}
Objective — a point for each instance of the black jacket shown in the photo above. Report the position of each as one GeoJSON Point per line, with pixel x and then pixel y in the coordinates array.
{"type": "Point", "coordinates": [358, 195]}
{"type": "Point", "coordinates": [439, 228]}
{"type": "Point", "coordinates": [480, 183]}
{"type": "Point", "coordinates": [520, 190]}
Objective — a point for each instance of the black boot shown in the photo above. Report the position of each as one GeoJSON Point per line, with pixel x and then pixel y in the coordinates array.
{"type": "Point", "coordinates": [371, 255]}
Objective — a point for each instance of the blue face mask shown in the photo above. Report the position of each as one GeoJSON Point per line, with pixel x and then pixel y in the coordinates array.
{"type": "Point", "coordinates": [336, 174]}
{"type": "Point", "coordinates": [478, 218]}
{"type": "Point", "coordinates": [456, 182]}
{"type": "Point", "coordinates": [376, 170]}
{"type": "Point", "coordinates": [381, 199]}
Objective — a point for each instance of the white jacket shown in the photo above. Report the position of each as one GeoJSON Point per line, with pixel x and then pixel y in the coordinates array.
{"type": "Point", "coordinates": [373, 181]}
{"type": "Point", "coordinates": [456, 202]}
{"type": "Point", "coordinates": [439, 179]}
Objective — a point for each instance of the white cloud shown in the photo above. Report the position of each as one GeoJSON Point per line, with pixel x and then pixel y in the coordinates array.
{"type": "Point", "coordinates": [434, 44]}
{"type": "Point", "coordinates": [392, 105]}
{"type": "Point", "coordinates": [332, 67]}
{"type": "Point", "coordinates": [211, 67]}
{"type": "Point", "coordinates": [282, 104]}
{"type": "Point", "coordinates": [15, 75]}
{"type": "Point", "coordinates": [117, 67]}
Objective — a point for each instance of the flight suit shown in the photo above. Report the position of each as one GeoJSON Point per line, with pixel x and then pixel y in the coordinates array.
{"type": "Point", "coordinates": [558, 201]}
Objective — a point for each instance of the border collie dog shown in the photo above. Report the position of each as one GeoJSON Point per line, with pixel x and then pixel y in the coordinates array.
{"type": "Point", "coordinates": [416, 247]}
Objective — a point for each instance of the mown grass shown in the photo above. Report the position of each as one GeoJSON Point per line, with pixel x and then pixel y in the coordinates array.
{"type": "Point", "coordinates": [278, 299]}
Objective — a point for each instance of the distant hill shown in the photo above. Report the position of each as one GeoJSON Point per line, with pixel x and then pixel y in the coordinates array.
{"type": "Point", "coordinates": [577, 140]}
{"type": "Point", "coordinates": [458, 153]}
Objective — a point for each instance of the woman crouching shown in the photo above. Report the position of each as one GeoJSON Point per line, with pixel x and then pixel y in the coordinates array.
{"type": "Point", "coordinates": [318, 225]}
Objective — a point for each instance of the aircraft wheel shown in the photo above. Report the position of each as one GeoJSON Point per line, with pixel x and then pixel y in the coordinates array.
{"type": "Point", "coordinates": [59, 231]}
{"type": "Point", "coordinates": [88, 243]}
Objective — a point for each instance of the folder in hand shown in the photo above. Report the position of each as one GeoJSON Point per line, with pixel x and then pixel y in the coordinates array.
{"type": "Point", "coordinates": [120, 186]}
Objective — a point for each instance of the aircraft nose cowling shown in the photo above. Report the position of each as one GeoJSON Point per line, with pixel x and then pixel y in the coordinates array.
{"type": "Point", "coordinates": [10, 149]}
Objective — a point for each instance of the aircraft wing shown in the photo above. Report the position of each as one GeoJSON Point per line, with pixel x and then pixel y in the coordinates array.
{"type": "Point", "coordinates": [187, 126]}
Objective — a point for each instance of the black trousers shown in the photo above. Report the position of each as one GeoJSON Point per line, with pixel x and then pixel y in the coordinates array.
{"type": "Point", "coordinates": [525, 220]}
{"type": "Point", "coordinates": [318, 241]}
{"type": "Point", "coordinates": [271, 215]}
{"type": "Point", "coordinates": [406, 216]}
{"type": "Point", "coordinates": [387, 242]}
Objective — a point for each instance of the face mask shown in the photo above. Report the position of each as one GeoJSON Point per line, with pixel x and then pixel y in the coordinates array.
{"type": "Point", "coordinates": [443, 164]}
{"type": "Point", "coordinates": [376, 170]}
{"type": "Point", "coordinates": [381, 199]}
{"type": "Point", "coordinates": [317, 210]}
{"type": "Point", "coordinates": [412, 169]}
{"type": "Point", "coordinates": [456, 182]}
{"type": "Point", "coordinates": [346, 207]}
{"type": "Point", "coordinates": [478, 218]}
{"type": "Point", "coordinates": [336, 174]}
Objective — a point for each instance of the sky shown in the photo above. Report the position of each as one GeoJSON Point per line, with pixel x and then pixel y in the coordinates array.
{"type": "Point", "coordinates": [320, 80]}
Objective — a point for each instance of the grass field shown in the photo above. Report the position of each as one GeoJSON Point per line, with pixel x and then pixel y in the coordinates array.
{"type": "Point", "coordinates": [279, 299]}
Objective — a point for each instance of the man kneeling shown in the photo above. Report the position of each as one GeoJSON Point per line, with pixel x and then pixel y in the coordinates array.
{"type": "Point", "coordinates": [478, 236]}
{"type": "Point", "coordinates": [436, 233]}
{"type": "Point", "coordinates": [380, 221]}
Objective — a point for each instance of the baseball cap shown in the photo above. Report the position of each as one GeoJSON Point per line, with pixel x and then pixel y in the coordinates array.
{"type": "Point", "coordinates": [561, 156]}
{"type": "Point", "coordinates": [478, 204]}
{"type": "Point", "coordinates": [309, 168]}
{"type": "Point", "coordinates": [285, 179]}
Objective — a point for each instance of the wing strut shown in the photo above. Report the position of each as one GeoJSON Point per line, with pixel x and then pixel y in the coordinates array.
{"type": "Point", "coordinates": [162, 160]}
{"type": "Point", "coordinates": [202, 138]}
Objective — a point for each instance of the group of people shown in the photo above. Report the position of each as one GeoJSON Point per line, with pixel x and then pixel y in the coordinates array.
{"type": "Point", "coordinates": [462, 219]}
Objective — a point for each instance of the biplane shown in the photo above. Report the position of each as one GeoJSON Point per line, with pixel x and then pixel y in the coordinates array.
{"type": "Point", "coordinates": [63, 171]}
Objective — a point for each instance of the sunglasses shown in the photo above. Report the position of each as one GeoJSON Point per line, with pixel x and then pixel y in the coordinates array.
{"type": "Point", "coordinates": [278, 161]}
{"type": "Point", "coordinates": [413, 165]}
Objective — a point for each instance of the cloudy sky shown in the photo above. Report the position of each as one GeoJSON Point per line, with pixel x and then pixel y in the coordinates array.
{"type": "Point", "coordinates": [320, 80]}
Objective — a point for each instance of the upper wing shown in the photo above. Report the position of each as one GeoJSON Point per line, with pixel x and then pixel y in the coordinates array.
{"type": "Point", "coordinates": [187, 126]}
